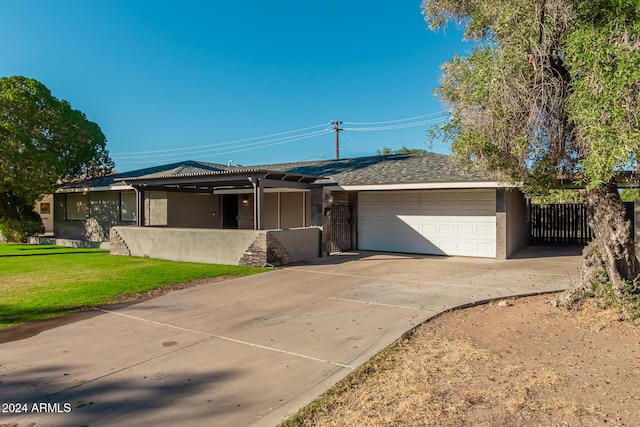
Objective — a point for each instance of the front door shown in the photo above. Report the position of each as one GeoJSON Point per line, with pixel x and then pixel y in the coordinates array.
{"type": "Point", "coordinates": [229, 211]}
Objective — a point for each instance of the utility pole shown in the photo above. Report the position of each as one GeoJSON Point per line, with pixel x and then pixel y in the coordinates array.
{"type": "Point", "coordinates": [336, 126]}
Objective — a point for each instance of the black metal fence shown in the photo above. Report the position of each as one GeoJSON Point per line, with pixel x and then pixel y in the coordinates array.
{"type": "Point", "coordinates": [559, 223]}
{"type": "Point", "coordinates": [563, 223]}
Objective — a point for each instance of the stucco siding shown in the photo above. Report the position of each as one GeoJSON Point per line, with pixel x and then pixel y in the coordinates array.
{"type": "Point", "coordinates": [271, 211]}
{"type": "Point", "coordinates": [191, 210]}
{"type": "Point", "coordinates": [185, 244]}
{"type": "Point", "coordinates": [156, 208]}
{"type": "Point", "coordinates": [517, 226]}
{"type": "Point", "coordinates": [235, 247]}
{"type": "Point", "coordinates": [291, 210]}
{"type": "Point", "coordinates": [299, 243]}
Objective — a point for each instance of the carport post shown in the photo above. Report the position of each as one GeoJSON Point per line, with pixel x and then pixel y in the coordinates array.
{"type": "Point", "coordinates": [139, 207]}
{"type": "Point", "coordinates": [258, 203]}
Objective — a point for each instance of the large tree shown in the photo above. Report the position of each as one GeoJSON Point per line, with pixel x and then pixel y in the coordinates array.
{"type": "Point", "coordinates": [551, 91]}
{"type": "Point", "coordinates": [43, 141]}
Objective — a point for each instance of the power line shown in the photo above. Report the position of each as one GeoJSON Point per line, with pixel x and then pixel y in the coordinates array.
{"type": "Point", "coordinates": [218, 149]}
{"type": "Point", "coordinates": [351, 142]}
{"type": "Point", "coordinates": [399, 120]}
{"type": "Point", "coordinates": [217, 144]}
{"type": "Point", "coordinates": [253, 145]}
{"type": "Point", "coordinates": [310, 135]}
{"type": "Point", "coordinates": [399, 126]}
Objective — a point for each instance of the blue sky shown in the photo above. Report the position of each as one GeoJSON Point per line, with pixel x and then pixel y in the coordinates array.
{"type": "Point", "coordinates": [211, 80]}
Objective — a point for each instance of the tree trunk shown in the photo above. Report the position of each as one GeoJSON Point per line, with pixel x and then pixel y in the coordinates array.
{"type": "Point", "coordinates": [613, 235]}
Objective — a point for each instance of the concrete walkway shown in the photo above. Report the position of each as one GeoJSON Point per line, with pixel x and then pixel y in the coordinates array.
{"type": "Point", "coordinates": [248, 351]}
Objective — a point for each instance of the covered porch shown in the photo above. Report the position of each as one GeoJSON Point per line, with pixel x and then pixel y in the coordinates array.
{"type": "Point", "coordinates": [241, 216]}
{"type": "Point", "coordinates": [243, 199]}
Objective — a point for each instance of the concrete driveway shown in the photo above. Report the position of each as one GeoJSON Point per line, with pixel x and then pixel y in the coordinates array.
{"type": "Point", "coordinates": [252, 350]}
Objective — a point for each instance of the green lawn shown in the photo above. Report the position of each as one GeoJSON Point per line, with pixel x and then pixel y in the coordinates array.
{"type": "Point", "coordinates": [42, 281]}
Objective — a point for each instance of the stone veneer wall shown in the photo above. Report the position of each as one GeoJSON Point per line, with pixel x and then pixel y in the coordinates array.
{"type": "Point", "coordinates": [256, 254]}
{"type": "Point", "coordinates": [117, 245]}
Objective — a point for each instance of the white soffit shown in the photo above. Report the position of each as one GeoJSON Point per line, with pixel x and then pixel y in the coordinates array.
{"type": "Point", "coordinates": [419, 186]}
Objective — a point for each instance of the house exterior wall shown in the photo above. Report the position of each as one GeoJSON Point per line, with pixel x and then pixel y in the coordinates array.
{"type": "Point", "coordinates": [292, 210]}
{"type": "Point", "coordinates": [501, 223]}
{"type": "Point", "coordinates": [155, 205]}
{"type": "Point", "coordinates": [271, 201]}
{"type": "Point", "coordinates": [191, 210]}
{"type": "Point", "coordinates": [316, 203]}
{"type": "Point", "coordinates": [295, 210]}
{"type": "Point", "coordinates": [102, 213]}
{"type": "Point", "coordinates": [353, 203]}
{"type": "Point", "coordinates": [44, 208]}
{"type": "Point", "coordinates": [517, 226]}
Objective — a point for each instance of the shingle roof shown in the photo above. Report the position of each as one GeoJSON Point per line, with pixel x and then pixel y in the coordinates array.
{"type": "Point", "coordinates": [172, 169]}
{"type": "Point", "coordinates": [388, 169]}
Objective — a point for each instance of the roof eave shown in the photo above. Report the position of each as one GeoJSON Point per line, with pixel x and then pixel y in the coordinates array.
{"type": "Point", "coordinates": [449, 185]}
{"type": "Point", "coordinates": [84, 189]}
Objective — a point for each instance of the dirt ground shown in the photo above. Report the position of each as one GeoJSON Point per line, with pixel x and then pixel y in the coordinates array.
{"type": "Point", "coordinates": [520, 362]}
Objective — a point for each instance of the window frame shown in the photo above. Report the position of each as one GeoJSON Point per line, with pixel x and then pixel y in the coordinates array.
{"type": "Point", "coordinates": [82, 198]}
{"type": "Point", "coordinates": [134, 209]}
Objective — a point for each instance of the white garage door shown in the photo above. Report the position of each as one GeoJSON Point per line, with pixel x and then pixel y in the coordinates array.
{"type": "Point", "coordinates": [437, 222]}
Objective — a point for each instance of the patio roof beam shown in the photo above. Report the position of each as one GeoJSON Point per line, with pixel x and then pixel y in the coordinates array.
{"type": "Point", "coordinates": [192, 180]}
{"type": "Point", "coordinates": [273, 183]}
{"type": "Point", "coordinates": [173, 189]}
{"type": "Point", "coordinates": [200, 179]}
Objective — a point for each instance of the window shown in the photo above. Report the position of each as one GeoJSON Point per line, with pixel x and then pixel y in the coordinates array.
{"type": "Point", "coordinates": [128, 206]}
{"type": "Point", "coordinates": [45, 208]}
{"type": "Point", "coordinates": [77, 207]}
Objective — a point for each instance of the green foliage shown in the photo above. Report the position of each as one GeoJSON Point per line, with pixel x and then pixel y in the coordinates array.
{"type": "Point", "coordinates": [385, 151]}
{"type": "Point", "coordinates": [603, 55]}
{"type": "Point", "coordinates": [551, 89]}
{"type": "Point", "coordinates": [626, 301]}
{"type": "Point", "coordinates": [42, 141]}
{"type": "Point", "coordinates": [17, 230]}
{"type": "Point", "coordinates": [42, 281]}
{"type": "Point", "coordinates": [558, 196]}
{"type": "Point", "coordinates": [630, 194]}
{"type": "Point", "coordinates": [631, 300]}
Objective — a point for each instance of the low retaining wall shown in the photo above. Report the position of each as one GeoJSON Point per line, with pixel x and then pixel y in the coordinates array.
{"type": "Point", "coordinates": [72, 243]}
{"type": "Point", "coordinates": [214, 246]}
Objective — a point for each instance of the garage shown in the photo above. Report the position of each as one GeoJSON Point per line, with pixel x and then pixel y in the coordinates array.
{"type": "Point", "coordinates": [433, 222]}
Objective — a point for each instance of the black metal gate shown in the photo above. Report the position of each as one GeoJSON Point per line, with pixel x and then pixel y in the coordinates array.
{"type": "Point", "coordinates": [559, 223]}
{"type": "Point", "coordinates": [340, 228]}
